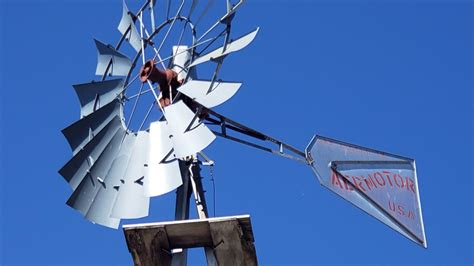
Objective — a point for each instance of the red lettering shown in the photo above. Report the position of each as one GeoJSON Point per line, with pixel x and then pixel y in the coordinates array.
{"type": "Point", "coordinates": [335, 180]}
{"type": "Point", "coordinates": [401, 210]}
{"type": "Point", "coordinates": [348, 187]}
{"type": "Point", "coordinates": [370, 183]}
{"type": "Point", "coordinates": [387, 174]}
{"type": "Point", "coordinates": [400, 178]}
{"type": "Point", "coordinates": [358, 183]}
{"type": "Point", "coordinates": [412, 184]}
{"type": "Point", "coordinates": [391, 205]}
{"type": "Point", "coordinates": [379, 178]}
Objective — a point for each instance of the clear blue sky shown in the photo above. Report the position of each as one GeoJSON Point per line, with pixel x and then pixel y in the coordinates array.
{"type": "Point", "coordinates": [392, 75]}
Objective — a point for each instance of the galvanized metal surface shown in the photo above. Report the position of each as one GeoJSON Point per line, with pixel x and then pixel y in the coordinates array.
{"type": "Point", "coordinates": [382, 184]}
{"type": "Point", "coordinates": [104, 201]}
{"type": "Point", "coordinates": [182, 57]}
{"type": "Point", "coordinates": [192, 176]}
{"type": "Point", "coordinates": [96, 94]}
{"type": "Point", "coordinates": [131, 202]}
{"type": "Point", "coordinates": [390, 186]}
{"type": "Point", "coordinates": [187, 133]}
{"type": "Point", "coordinates": [231, 47]}
{"type": "Point", "coordinates": [82, 131]}
{"type": "Point", "coordinates": [83, 196]}
{"type": "Point", "coordinates": [183, 194]}
{"type": "Point", "coordinates": [164, 174]}
{"type": "Point", "coordinates": [223, 126]}
{"type": "Point", "coordinates": [219, 91]}
{"type": "Point", "coordinates": [110, 61]}
{"type": "Point", "coordinates": [79, 165]}
{"type": "Point", "coordinates": [128, 29]}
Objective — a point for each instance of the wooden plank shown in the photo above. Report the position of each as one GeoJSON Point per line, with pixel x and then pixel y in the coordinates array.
{"type": "Point", "coordinates": [189, 235]}
{"type": "Point", "coordinates": [231, 238]}
{"type": "Point", "coordinates": [230, 244]}
{"type": "Point", "coordinates": [150, 247]}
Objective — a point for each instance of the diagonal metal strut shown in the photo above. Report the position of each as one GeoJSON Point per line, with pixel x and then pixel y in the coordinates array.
{"type": "Point", "coordinates": [222, 126]}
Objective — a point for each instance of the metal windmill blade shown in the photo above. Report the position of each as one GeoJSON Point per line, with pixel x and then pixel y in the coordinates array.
{"type": "Point", "coordinates": [131, 201]}
{"type": "Point", "coordinates": [82, 131]}
{"type": "Point", "coordinates": [116, 169]}
{"type": "Point", "coordinates": [208, 93]}
{"type": "Point", "coordinates": [163, 162]}
{"type": "Point", "coordinates": [95, 94]}
{"type": "Point", "coordinates": [187, 133]}
{"type": "Point", "coordinates": [127, 28]}
{"type": "Point", "coordinates": [111, 62]}
{"type": "Point", "coordinates": [221, 52]}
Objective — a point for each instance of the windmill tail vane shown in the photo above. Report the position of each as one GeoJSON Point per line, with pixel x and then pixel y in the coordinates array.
{"type": "Point", "coordinates": [119, 163]}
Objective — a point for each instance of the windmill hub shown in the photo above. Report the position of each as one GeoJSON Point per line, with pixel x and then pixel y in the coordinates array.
{"type": "Point", "coordinates": [167, 80]}
{"type": "Point", "coordinates": [152, 73]}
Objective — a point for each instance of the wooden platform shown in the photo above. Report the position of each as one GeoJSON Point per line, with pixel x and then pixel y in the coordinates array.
{"type": "Point", "coordinates": [230, 237]}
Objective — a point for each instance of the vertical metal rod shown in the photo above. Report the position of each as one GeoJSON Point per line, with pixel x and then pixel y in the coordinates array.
{"type": "Point", "coordinates": [183, 194]}
{"type": "Point", "coordinates": [134, 107]}
{"type": "Point", "coordinates": [141, 38]}
{"type": "Point", "coordinates": [187, 21]}
{"type": "Point", "coordinates": [154, 48]}
{"type": "Point", "coordinates": [155, 95]}
{"type": "Point", "coordinates": [171, 27]}
{"type": "Point", "coordinates": [152, 15]}
{"type": "Point", "coordinates": [219, 65]}
{"type": "Point", "coordinates": [147, 115]}
{"type": "Point", "coordinates": [198, 191]}
{"type": "Point", "coordinates": [189, 48]}
{"type": "Point", "coordinates": [190, 172]}
{"type": "Point", "coordinates": [143, 58]}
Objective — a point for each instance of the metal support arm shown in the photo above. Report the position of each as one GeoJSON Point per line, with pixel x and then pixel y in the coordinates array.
{"type": "Point", "coordinates": [223, 125]}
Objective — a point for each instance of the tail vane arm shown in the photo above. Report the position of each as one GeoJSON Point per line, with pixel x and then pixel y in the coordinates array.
{"type": "Point", "coordinates": [221, 125]}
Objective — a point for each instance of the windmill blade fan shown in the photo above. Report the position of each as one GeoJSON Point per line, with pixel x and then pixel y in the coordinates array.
{"type": "Point", "coordinates": [131, 202]}
{"type": "Point", "coordinates": [94, 94]}
{"type": "Point", "coordinates": [221, 52]}
{"type": "Point", "coordinates": [187, 133]}
{"type": "Point", "coordinates": [164, 173]}
{"type": "Point", "coordinates": [128, 30]}
{"type": "Point", "coordinates": [208, 93]}
{"type": "Point", "coordinates": [82, 131]}
{"type": "Point", "coordinates": [83, 196]}
{"type": "Point", "coordinates": [116, 166]}
{"type": "Point", "coordinates": [101, 208]}
{"type": "Point", "coordinates": [75, 170]}
{"type": "Point", "coordinates": [110, 61]}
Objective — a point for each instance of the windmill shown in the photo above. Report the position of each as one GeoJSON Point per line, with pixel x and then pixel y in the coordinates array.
{"type": "Point", "coordinates": [118, 165]}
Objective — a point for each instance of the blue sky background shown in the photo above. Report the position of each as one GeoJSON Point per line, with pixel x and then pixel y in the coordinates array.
{"type": "Point", "coordinates": [392, 75]}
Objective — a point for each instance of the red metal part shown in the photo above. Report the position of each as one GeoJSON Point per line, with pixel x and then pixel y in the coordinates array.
{"type": "Point", "coordinates": [167, 80]}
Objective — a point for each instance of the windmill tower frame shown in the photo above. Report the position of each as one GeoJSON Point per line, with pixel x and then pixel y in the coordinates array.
{"type": "Point", "coordinates": [116, 169]}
